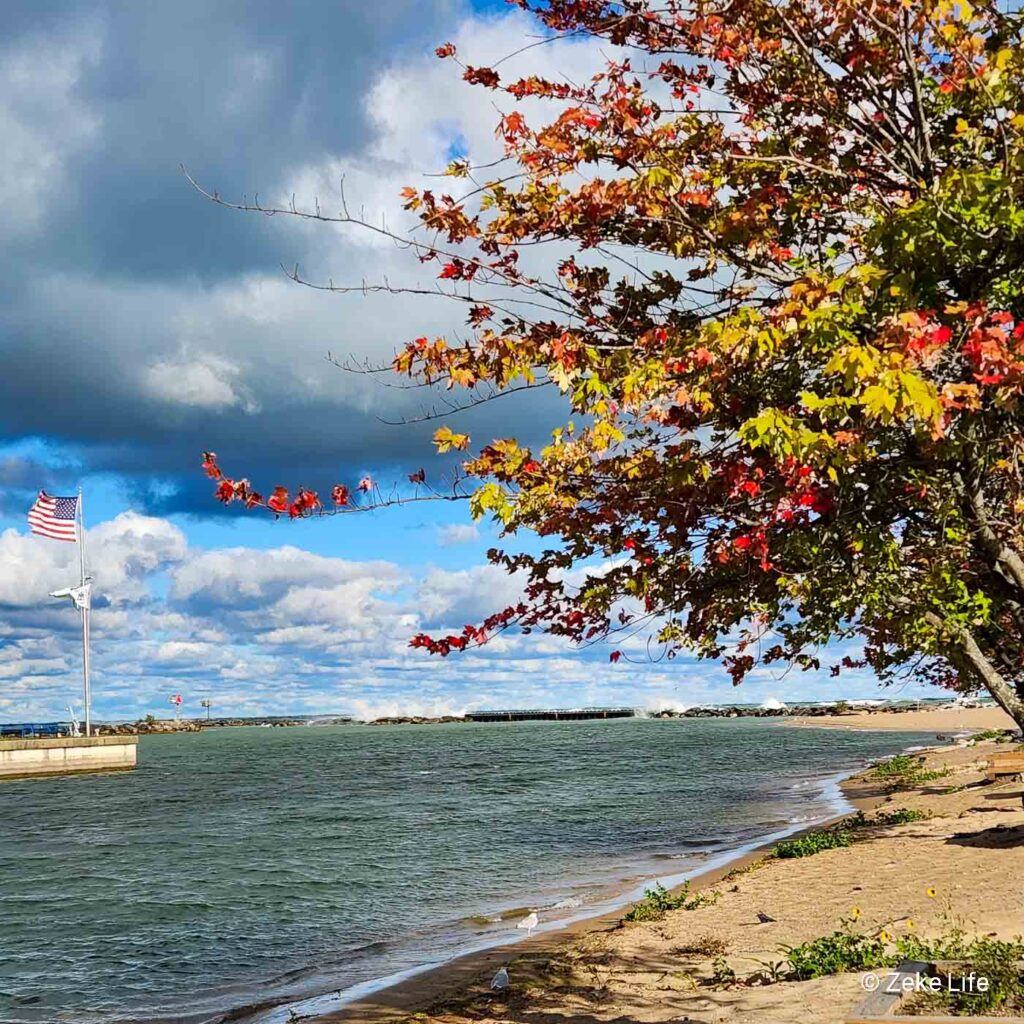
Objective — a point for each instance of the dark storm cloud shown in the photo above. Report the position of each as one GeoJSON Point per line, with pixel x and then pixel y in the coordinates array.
{"type": "Point", "coordinates": [126, 332]}
{"type": "Point", "coordinates": [236, 91]}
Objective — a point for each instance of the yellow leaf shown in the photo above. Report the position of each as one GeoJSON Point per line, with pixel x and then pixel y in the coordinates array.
{"type": "Point", "coordinates": [446, 440]}
{"type": "Point", "coordinates": [879, 402]}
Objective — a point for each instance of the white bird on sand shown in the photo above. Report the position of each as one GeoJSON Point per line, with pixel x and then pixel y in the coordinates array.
{"type": "Point", "coordinates": [529, 922]}
{"type": "Point", "coordinates": [500, 982]}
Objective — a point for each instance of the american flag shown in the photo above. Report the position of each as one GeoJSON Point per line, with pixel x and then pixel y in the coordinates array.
{"type": "Point", "coordinates": [54, 517]}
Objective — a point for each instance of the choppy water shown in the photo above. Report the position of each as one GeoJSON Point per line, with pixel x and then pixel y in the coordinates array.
{"type": "Point", "coordinates": [238, 865]}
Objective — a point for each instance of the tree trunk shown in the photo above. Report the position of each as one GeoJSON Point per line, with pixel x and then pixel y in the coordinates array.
{"type": "Point", "coordinates": [972, 658]}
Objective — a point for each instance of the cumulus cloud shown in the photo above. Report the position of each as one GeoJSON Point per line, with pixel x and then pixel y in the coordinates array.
{"type": "Point", "coordinates": [241, 579]}
{"type": "Point", "coordinates": [203, 381]}
{"type": "Point", "coordinates": [121, 554]}
{"type": "Point", "coordinates": [283, 630]}
{"type": "Point", "coordinates": [451, 599]}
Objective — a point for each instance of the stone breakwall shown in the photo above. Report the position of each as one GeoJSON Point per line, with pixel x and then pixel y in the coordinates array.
{"type": "Point", "coordinates": [24, 758]}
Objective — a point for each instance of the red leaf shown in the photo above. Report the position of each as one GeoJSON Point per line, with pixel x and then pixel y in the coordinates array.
{"type": "Point", "coordinates": [278, 501]}
{"type": "Point", "coordinates": [210, 465]}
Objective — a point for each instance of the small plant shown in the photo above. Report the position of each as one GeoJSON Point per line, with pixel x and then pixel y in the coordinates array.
{"type": "Point", "coordinates": [813, 842]}
{"type": "Point", "coordinates": [842, 951]}
{"type": "Point", "coordinates": [658, 901]}
{"type": "Point", "coordinates": [722, 975]}
{"type": "Point", "coordinates": [902, 816]}
{"type": "Point", "coordinates": [905, 771]}
{"type": "Point", "coordinates": [771, 973]}
{"type": "Point", "coordinates": [994, 960]}
{"type": "Point", "coordinates": [745, 869]}
{"type": "Point", "coordinates": [848, 950]}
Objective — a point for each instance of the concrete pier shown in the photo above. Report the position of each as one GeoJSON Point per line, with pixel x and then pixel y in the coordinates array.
{"type": "Point", "coordinates": [25, 758]}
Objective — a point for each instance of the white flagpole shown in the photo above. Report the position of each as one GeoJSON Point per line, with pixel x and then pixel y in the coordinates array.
{"type": "Point", "coordinates": [85, 618]}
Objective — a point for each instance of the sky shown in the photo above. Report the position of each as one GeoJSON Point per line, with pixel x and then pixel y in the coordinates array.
{"type": "Point", "coordinates": [140, 325]}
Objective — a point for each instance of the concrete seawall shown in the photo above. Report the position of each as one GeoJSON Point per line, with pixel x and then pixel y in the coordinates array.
{"type": "Point", "coordinates": [24, 758]}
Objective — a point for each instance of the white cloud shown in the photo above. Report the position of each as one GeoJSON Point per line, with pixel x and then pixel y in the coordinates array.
{"type": "Point", "coordinates": [241, 577]}
{"type": "Point", "coordinates": [457, 533]}
{"type": "Point", "coordinates": [204, 381]}
{"type": "Point", "coordinates": [120, 554]}
{"type": "Point", "coordinates": [452, 599]}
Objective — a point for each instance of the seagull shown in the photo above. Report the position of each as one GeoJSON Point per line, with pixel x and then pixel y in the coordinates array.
{"type": "Point", "coordinates": [499, 983]}
{"type": "Point", "coordinates": [764, 918]}
{"type": "Point", "coordinates": [529, 922]}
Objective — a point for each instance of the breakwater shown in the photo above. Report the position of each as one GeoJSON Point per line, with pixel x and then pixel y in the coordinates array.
{"type": "Point", "coordinates": [24, 758]}
{"type": "Point", "coordinates": [549, 715]}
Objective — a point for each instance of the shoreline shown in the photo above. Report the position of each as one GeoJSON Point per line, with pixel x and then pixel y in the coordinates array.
{"type": "Point", "coordinates": [421, 988]}
{"type": "Point", "coordinates": [954, 865]}
{"type": "Point", "coordinates": [397, 995]}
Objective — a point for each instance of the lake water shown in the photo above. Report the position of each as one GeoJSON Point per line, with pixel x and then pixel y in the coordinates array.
{"type": "Point", "coordinates": [240, 865]}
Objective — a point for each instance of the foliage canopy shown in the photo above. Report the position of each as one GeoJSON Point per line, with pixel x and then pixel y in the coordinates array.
{"type": "Point", "coordinates": [773, 256]}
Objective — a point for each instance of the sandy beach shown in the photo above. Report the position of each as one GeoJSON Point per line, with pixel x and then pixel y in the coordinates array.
{"type": "Point", "coordinates": [937, 720]}
{"type": "Point", "coordinates": [969, 853]}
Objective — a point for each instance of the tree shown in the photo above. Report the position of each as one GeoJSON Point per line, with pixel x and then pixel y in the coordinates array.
{"type": "Point", "coordinates": [775, 258]}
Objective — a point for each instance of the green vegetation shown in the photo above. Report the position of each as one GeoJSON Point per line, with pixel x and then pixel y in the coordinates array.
{"type": "Point", "coordinates": [999, 735]}
{"type": "Point", "coordinates": [658, 901]}
{"type": "Point", "coordinates": [902, 816]}
{"type": "Point", "coordinates": [813, 842]}
{"type": "Point", "coordinates": [905, 771]}
{"type": "Point", "coordinates": [842, 951]}
{"type": "Point", "coordinates": [722, 974]}
{"type": "Point", "coordinates": [745, 869]}
{"type": "Point", "coordinates": [999, 962]}
{"type": "Point", "coordinates": [838, 836]}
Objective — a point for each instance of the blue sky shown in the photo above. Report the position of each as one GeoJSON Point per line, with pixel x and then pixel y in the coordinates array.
{"type": "Point", "coordinates": [141, 324]}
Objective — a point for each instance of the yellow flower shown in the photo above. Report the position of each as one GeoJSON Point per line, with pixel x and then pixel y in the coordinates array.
{"type": "Point", "coordinates": [910, 925]}
{"type": "Point", "coordinates": [855, 913]}
{"type": "Point", "coordinates": [884, 935]}
{"type": "Point", "coordinates": [930, 892]}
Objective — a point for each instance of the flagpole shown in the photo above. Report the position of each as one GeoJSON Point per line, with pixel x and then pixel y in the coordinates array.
{"type": "Point", "coordinates": [85, 618]}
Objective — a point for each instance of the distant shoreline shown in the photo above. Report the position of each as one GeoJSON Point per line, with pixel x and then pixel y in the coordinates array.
{"type": "Point", "coordinates": [922, 717]}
